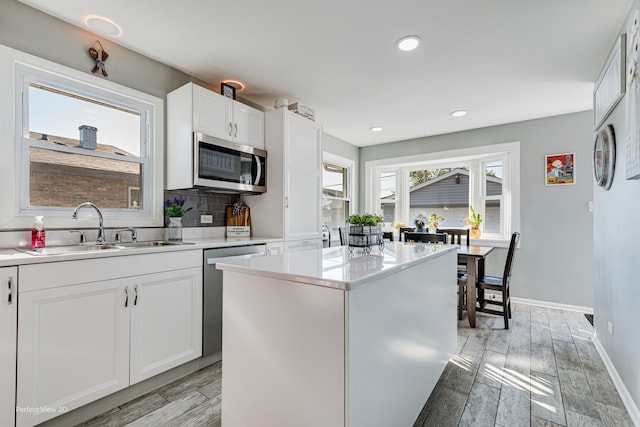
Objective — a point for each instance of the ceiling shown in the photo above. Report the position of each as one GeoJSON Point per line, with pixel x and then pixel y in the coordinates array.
{"type": "Point", "coordinates": [502, 60]}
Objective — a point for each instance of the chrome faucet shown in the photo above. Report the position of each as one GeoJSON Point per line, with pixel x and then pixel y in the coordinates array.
{"type": "Point", "coordinates": [101, 238]}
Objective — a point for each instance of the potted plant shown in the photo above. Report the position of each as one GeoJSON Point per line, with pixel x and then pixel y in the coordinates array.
{"type": "Point", "coordinates": [175, 211]}
{"type": "Point", "coordinates": [420, 222]}
{"type": "Point", "coordinates": [473, 222]}
{"type": "Point", "coordinates": [434, 220]}
{"type": "Point", "coordinates": [365, 230]}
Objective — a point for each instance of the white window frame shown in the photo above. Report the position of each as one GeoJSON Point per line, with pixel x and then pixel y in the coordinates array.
{"type": "Point", "coordinates": [349, 165]}
{"type": "Point", "coordinates": [24, 69]}
{"type": "Point", "coordinates": [475, 158]}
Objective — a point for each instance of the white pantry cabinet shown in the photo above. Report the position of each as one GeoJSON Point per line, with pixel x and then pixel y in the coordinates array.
{"type": "Point", "coordinates": [89, 328]}
{"type": "Point", "coordinates": [192, 108]}
{"type": "Point", "coordinates": [8, 327]}
{"type": "Point", "coordinates": [291, 206]}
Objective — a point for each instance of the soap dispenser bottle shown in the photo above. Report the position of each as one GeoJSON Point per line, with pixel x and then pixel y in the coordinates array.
{"type": "Point", "coordinates": [38, 233]}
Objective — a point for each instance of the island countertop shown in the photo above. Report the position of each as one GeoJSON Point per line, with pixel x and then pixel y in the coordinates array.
{"type": "Point", "coordinates": [337, 267]}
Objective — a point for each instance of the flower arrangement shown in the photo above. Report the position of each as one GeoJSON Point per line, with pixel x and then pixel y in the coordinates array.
{"type": "Point", "coordinates": [474, 220]}
{"type": "Point", "coordinates": [365, 219]}
{"type": "Point", "coordinates": [433, 221]}
{"type": "Point", "coordinates": [175, 207]}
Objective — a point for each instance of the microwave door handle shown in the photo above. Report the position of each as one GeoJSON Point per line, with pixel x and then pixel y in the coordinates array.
{"type": "Point", "coordinates": [258, 171]}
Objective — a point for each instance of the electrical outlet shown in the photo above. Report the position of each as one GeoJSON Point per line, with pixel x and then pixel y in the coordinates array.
{"type": "Point", "coordinates": [610, 328]}
{"type": "Point", "coordinates": [590, 206]}
{"type": "Point", "coordinates": [206, 219]}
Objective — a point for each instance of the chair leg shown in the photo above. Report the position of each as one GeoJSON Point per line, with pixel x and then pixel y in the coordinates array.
{"type": "Point", "coordinates": [506, 310]}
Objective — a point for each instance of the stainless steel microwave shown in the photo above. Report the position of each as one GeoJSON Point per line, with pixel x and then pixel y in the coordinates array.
{"type": "Point", "coordinates": [227, 166]}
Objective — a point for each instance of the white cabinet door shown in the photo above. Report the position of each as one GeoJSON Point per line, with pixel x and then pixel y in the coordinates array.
{"type": "Point", "coordinates": [8, 326]}
{"type": "Point", "coordinates": [73, 347]}
{"type": "Point", "coordinates": [248, 125]}
{"type": "Point", "coordinates": [166, 321]}
{"type": "Point", "coordinates": [303, 179]}
{"type": "Point", "coordinates": [212, 113]}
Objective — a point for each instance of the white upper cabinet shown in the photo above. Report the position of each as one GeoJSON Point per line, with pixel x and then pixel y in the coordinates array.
{"type": "Point", "coordinates": [192, 108]}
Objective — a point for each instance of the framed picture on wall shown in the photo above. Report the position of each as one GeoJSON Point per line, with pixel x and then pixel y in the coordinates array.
{"type": "Point", "coordinates": [611, 83]}
{"type": "Point", "coordinates": [560, 169]}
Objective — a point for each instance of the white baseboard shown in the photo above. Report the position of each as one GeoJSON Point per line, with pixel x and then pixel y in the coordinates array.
{"type": "Point", "coordinates": [631, 406]}
{"type": "Point", "coordinates": [547, 304]}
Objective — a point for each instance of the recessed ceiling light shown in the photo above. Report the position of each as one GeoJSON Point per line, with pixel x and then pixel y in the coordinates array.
{"type": "Point", "coordinates": [408, 43]}
{"type": "Point", "coordinates": [234, 83]}
{"type": "Point", "coordinates": [103, 25]}
{"type": "Point", "coordinates": [376, 129]}
{"type": "Point", "coordinates": [459, 113]}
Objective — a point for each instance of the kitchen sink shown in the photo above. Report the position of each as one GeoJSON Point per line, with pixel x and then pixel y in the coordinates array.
{"type": "Point", "coordinates": [83, 248]}
{"type": "Point", "coordinates": [151, 243]}
{"type": "Point", "coordinates": [71, 249]}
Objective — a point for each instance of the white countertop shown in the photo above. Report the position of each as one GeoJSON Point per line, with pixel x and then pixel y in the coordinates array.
{"type": "Point", "coordinates": [336, 267]}
{"type": "Point", "coordinates": [12, 257]}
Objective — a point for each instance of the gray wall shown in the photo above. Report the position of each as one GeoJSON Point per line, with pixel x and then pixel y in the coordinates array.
{"type": "Point", "coordinates": [617, 259]}
{"type": "Point", "coordinates": [556, 242]}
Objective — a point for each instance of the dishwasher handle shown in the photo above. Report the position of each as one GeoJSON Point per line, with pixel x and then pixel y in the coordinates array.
{"type": "Point", "coordinates": [212, 261]}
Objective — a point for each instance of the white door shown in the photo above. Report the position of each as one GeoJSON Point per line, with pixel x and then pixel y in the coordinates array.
{"type": "Point", "coordinates": [248, 127]}
{"type": "Point", "coordinates": [8, 326]}
{"type": "Point", "coordinates": [73, 347]}
{"type": "Point", "coordinates": [212, 113]}
{"type": "Point", "coordinates": [166, 321]}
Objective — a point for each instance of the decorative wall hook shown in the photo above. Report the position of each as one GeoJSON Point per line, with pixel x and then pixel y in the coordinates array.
{"type": "Point", "coordinates": [99, 55]}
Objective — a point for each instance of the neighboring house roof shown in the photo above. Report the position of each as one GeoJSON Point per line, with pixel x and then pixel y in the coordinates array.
{"type": "Point", "coordinates": [81, 160]}
{"type": "Point", "coordinates": [445, 191]}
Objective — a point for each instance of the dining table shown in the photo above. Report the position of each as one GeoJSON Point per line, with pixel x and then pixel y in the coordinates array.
{"type": "Point", "coordinates": [473, 256]}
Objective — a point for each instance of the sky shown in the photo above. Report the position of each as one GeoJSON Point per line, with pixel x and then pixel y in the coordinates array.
{"type": "Point", "coordinates": [55, 114]}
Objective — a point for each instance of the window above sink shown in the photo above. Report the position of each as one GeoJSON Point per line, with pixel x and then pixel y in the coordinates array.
{"type": "Point", "coordinates": [77, 137]}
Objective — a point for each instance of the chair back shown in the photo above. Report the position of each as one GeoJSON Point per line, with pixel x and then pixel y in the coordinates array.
{"type": "Point", "coordinates": [404, 230]}
{"type": "Point", "coordinates": [456, 235]}
{"type": "Point", "coordinates": [515, 237]}
{"type": "Point", "coordinates": [344, 238]}
{"type": "Point", "coordinates": [426, 237]}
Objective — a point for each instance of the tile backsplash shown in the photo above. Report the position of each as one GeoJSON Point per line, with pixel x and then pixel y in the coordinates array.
{"type": "Point", "coordinates": [201, 203]}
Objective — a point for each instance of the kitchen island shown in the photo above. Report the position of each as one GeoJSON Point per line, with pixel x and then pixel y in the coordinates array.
{"type": "Point", "coordinates": [333, 338]}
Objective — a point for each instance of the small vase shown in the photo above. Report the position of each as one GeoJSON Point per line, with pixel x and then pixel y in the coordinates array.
{"type": "Point", "coordinates": [474, 233]}
{"type": "Point", "coordinates": [419, 228]}
{"type": "Point", "coordinates": [175, 228]}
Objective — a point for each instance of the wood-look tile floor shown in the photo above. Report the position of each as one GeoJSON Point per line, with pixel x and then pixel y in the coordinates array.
{"type": "Point", "coordinates": [544, 371]}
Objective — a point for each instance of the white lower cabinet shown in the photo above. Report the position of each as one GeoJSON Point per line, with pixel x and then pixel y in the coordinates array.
{"type": "Point", "coordinates": [83, 341]}
{"type": "Point", "coordinates": [8, 326]}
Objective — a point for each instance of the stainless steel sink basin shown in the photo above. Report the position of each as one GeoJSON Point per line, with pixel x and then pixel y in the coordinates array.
{"type": "Point", "coordinates": [83, 248]}
{"type": "Point", "coordinates": [152, 243]}
{"type": "Point", "coordinates": [71, 249]}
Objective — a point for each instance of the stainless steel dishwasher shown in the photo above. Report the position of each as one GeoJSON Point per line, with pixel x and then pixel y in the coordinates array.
{"type": "Point", "coordinates": [212, 292]}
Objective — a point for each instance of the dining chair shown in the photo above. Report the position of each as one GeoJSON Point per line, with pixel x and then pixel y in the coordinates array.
{"type": "Point", "coordinates": [344, 238]}
{"type": "Point", "coordinates": [499, 284]}
{"type": "Point", "coordinates": [455, 235]}
{"type": "Point", "coordinates": [403, 230]}
{"type": "Point", "coordinates": [425, 237]}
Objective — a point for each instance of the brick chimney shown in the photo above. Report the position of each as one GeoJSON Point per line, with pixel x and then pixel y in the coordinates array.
{"type": "Point", "coordinates": [88, 137]}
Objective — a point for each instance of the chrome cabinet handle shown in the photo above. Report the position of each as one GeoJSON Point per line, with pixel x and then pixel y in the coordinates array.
{"type": "Point", "coordinates": [230, 128]}
{"type": "Point", "coordinates": [235, 131]}
{"type": "Point", "coordinates": [286, 202]}
{"type": "Point", "coordinates": [135, 295]}
{"type": "Point", "coordinates": [269, 251]}
{"type": "Point", "coordinates": [10, 293]}
{"type": "Point", "coordinates": [126, 296]}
